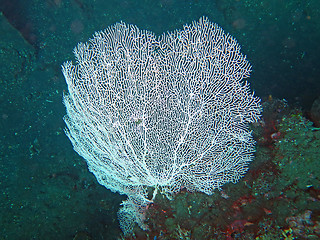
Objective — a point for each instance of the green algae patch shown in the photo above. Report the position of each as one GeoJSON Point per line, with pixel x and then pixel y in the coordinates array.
{"type": "Point", "coordinates": [298, 153]}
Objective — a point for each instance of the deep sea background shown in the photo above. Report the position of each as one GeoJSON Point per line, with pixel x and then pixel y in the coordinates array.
{"type": "Point", "coordinates": [46, 190]}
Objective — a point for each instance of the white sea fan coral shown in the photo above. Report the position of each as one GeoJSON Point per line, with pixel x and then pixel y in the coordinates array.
{"type": "Point", "coordinates": [168, 113]}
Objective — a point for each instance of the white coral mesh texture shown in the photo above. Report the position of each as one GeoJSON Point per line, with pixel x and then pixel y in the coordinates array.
{"type": "Point", "coordinates": [169, 113]}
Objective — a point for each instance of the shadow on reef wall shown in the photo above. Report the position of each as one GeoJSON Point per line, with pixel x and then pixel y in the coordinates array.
{"type": "Point", "coordinates": [277, 199]}
{"type": "Point", "coordinates": [315, 112]}
{"type": "Point", "coordinates": [16, 13]}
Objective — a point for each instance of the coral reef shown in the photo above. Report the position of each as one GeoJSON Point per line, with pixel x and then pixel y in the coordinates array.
{"type": "Point", "coordinates": [277, 199]}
